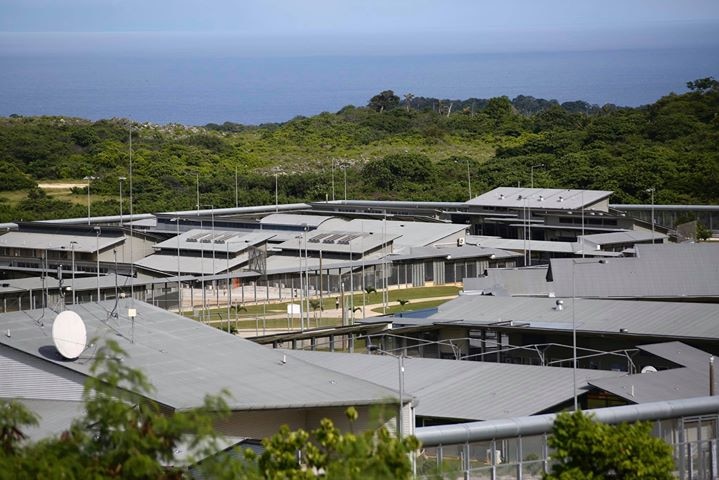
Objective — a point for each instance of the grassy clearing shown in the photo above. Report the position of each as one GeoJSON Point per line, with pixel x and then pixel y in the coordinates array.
{"type": "Point", "coordinates": [410, 307]}
{"type": "Point", "coordinates": [329, 303]}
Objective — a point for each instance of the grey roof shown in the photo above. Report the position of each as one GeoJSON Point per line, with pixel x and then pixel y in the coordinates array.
{"type": "Point", "coordinates": [454, 253]}
{"type": "Point", "coordinates": [237, 210]}
{"type": "Point", "coordinates": [294, 220]}
{"type": "Point", "coordinates": [58, 241]}
{"type": "Point", "coordinates": [520, 245]}
{"type": "Point", "coordinates": [462, 389]}
{"type": "Point", "coordinates": [338, 241]}
{"type": "Point", "coordinates": [541, 198]}
{"type": "Point", "coordinates": [689, 381]}
{"type": "Point", "coordinates": [658, 319]}
{"type": "Point", "coordinates": [629, 236]}
{"type": "Point", "coordinates": [681, 208]}
{"type": "Point", "coordinates": [81, 283]}
{"type": "Point", "coordinates": [56, 416]}
{"type": "Point", "coordinates": [412, 234]}
{"type": "Point", "coordinates": [186, 360]}
{"type": "Point", "coordinates": [219, 240]}
{"type": "Point", "coordinates": [85, 282]}
{"type": "Point", "coordinates": [195, 265]}
{"type": "Point", "coordinates": [510, 282]}
{"type": "Point", "coordinates": [667, 270]}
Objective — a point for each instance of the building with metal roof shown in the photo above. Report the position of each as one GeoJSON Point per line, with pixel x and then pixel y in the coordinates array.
{"type": "Point", "coordinates": [509, 282]}
{"type": "Point", "coordinates": [691, 377]}
{"type": "Point", "coordinates": [539, 331]}
{"type": "Point", "coordinates": [518, 198]}
{"type": "Point", "coordinates": [448, 391]}
{"type": "Point", "coordinates": [672, 271]}
{"type": "Point", "coordinates": [410, 234]}
{"type": "Point", "coordinates": [184, 360]}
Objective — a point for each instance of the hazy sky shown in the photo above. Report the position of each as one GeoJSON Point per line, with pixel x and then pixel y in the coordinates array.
{"type": "Point", "coordinates": [325, 26]}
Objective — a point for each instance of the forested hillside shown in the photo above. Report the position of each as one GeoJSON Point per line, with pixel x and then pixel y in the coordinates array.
{"type": "Point", "coordinates": [393, 148]}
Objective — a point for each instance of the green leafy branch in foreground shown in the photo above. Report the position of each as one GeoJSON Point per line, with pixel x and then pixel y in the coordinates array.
{"type": "Point", "coordinates": [589, 450]}
{"type": "Point", "coordinates": [328, 453]}
{"type": "Point", "coordinates": [124, 434]}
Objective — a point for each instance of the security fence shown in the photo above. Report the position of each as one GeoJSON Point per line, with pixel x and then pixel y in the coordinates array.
{"type": "Point", "coordinates": [516, 448]}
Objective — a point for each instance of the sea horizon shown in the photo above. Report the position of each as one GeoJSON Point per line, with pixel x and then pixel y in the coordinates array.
{"type": "Point", "coordinates": [190, 87]}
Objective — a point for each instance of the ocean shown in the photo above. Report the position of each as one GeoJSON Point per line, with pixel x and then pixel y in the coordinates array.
{"type": "Point", "coordinates": [196, 89]}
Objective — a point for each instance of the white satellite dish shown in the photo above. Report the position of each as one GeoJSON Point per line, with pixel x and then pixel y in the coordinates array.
{"type": "Point", "coordinates": [649, 369]}
{"type": "Point", "coordinates": [69, 334]}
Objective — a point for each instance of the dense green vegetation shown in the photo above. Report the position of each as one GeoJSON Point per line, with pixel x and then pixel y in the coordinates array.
{"type": "Point", "coordinates": [409, 149]}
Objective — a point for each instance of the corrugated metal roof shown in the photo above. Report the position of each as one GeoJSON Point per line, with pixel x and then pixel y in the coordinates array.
{"type": "Point", "coordinates": [195, 265]}
{"type": "Point", "coordinates": [520, 245]}
{"type": "Point", "coordinates": [186, 360]}
{"type": "Point", "coordinates": [690, 381]}
{"type": "Point", "coordinates": [294, 220]}
{"type": "Point", "coordinates": [670, 319]}
{"type": "Point", "coordinates": [218, 240]}
{"type": "Point", "coordinates": [463, 389]}
{"type": "Point", "coordinates": [412, 234]}
{"type": "Point", "coordinates": [58, 242]}
{"type": "Point", "coordinates": [667, 270]}
{"type": "Point", "coordinates": [85, 282]}
{"type": "Point", "coordinates": [454, 253]}
{"type": "Point", "coordinates": [337, 241]}
{"type": "Point", "coordinates": [55, 417]}
{"type": "Point", "coordinates": [628, 236]}
{"type": "Point", "coordinates": [541, 198]}
{"type": "Point", "coordinates": [679, 353]}
{"type": "Point", "coordinates": [510, 281]}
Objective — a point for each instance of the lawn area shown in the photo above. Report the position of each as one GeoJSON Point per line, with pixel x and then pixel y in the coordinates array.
{"type": "Point", "coordinates": [328, 302]}
{"type": "Point", "coordinates": [251, 316]}
{"type": "Point", "coordinates": [392, 309]}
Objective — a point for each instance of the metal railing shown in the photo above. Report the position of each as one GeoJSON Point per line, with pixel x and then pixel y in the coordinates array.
{"type": "Point", "coordinates": [517, 447]}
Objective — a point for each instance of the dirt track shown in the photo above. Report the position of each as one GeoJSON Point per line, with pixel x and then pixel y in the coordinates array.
{"type": "Point", "coordinates": [60, 186]}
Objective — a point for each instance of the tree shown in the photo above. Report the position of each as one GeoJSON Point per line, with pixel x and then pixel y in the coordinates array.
{"type": "Point", "coordinates": [327, 452]}
{"type": "Point", "coordinates": [585, 449]}
{"type": "Point", "coordinates": [385, 100]}
{"type": "Point", "coordinates": [703, 84]}
{"type": "Point", "coordinates": [408, 97]}
{"type": "Point", "coordinates": [123, 434]}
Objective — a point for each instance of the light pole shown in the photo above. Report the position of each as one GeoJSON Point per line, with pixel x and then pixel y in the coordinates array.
{"type": "Point", "coordinates": [302, 317]}
{"type": "Point", "coordinates": [276, 171]}
{"type": "Point", "coordinates": [98, 231]}
{"type": "Point", "coordinates": [132, 258]}
{"type": "Point", "coordinates": [333, 179]}
{"type": "Point", "coordinates": [344, 169]}
{"type": "Point", "coordinates": [179, 284]}
{"type": "Point", "coordinates": [400, 365]}
{"type": "Point", "coordinates": [574, 324]}
{"type": "Point", "coordinates": [469, 180]}
{"type": "Point", "coordinates": [229, 281]}
{"type": "Point", "coordinates": [89, 179]}
{"type": "Point", "coordinates": [307, 275]}
{"type": "Point", "coordinates": [531, 173]}
{"type": "Point", "coordinates": [212, 242]}
{"type": "Point", "coordinates": [237, 198]}
{"type": "Point", "coordinates": [651, 190]}
{"type": "Point", "coordinates": [121, 179]}
{"type": "Point", "coordinates": [197, 192]}
{"type": "Point", "coordinates": [72, 248]}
